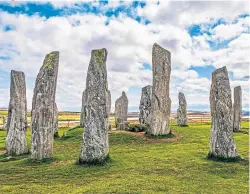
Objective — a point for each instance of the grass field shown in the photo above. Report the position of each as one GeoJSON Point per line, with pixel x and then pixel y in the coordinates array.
{"type": "Point", "coordinates": [136, 166]}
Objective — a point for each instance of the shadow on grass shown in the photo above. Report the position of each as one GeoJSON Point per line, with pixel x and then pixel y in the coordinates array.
{"type": "Point", "coordinates": [35, 162]}
{"type": "Point", "coordinates": [211, 156]}
{"type": "Point", "coordinates": [7, 158]}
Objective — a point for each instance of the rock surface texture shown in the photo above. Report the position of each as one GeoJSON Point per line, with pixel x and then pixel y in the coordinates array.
{"type": "Point", "coordinates": [121, 112]}
{"type": "Point", "coordinates": [16, 143]}
{"type": "Point", "coordinates": [95, 145]}
{"type": "Point", "coordinates": [161, 103]}
{"type": "Point", "coordinates": [83, 109]}
{"type": "Point", "coordinates": [43, 108]}
{"type": "Point", "coordinates": [221, 141]}
{"type": "Point", "coordinates": [237, 108]}
{"type": "Point", "coordinates": [145, 105]}
{"type": "Point", "coordinates": [182, 119]}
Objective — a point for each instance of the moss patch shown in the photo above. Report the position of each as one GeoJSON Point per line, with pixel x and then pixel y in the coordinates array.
{"type": "Point", "coordinates": [49, 60]}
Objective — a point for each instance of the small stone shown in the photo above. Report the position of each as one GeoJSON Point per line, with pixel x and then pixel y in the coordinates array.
{"type": "Point", "coordinates": [109, 102]}
{"type": "Point", "coordinates": [182, 119]}
{"type": "Point", "coordinates": [121, 110]}
{"type": "Point", "coordinates": [145, 105]}
{"type": "Point", "coordinates": [55, 121]}
{"type": "Point", "coordinates": [237, 108]}
{"type": "Point", "coordinates": [43, 108]}
{"type": "Point", "coordinates": [95, 145]}
{"type": "Point", "coordinates": [222, 144]}
{"type": "Point", "coordinates": [161, 102]}
{"type": "Point", "coordinates": [16, 143]}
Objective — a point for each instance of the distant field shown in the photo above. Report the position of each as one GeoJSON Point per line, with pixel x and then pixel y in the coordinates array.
{"type": "Point", "coordinates": [193, 118]}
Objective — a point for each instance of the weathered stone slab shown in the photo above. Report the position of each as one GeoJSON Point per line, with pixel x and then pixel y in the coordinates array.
{"type": "Point", "coordinates": [161, 103]}
{"type": "Point", "coordinates": [16, 143]}
{"type": "Point", "coordinates": [83, 109]}
{"type": "Point", "coordinates": [95, 145]}
{"type": "Point", "coordinates": [121, 111]}
{"type": "Point", "coordinates": [182, 119]}
{"type": "Point", "coordinates": [145, 105]}
{"type": "Point", "coordinates": [237, 109]}
{"type": "Point", "coordinates": [221, 141]}
{"type": "Point", "coordinates": [43, 108]}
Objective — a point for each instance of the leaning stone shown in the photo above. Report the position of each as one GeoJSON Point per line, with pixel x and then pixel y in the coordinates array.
{"type": "Point", "coordinates": [95, 145]}
{"type": "Point", "coordinates": [161, 103]}
{"type": "Point", "coordinates": [237, 109]}
{"type": "Point", "coordinates": [222, 144]}
{"type": "Point", "coordinates": [121, 110]}
{"type": "Point", "coordinates": [182, 119]}
{"type": "Point", "coordinates": [145, 105]}
{"type": "Point", "coordinates": [43, 108]}
{"type": "Point", "coordinates": [16, 143]}
{"type": "Point", "coordinates": [83, 109]}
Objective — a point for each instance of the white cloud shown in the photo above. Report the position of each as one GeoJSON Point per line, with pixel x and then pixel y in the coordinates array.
{"type": "Point", "coordinates": [129, 45]}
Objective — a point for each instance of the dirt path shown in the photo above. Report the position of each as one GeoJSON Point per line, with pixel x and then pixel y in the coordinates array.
{"type": "Point", "coordinates": [176, 137]}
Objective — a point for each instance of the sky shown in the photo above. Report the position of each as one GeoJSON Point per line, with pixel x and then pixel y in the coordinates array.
{"type": "Point", "coordinates": [201, 36]}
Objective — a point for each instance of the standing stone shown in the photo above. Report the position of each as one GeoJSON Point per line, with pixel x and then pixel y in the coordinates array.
{"type": "Point", "coordinates": [121, 112]}
{"type": "Point", "coordinates": [83, 108]}
{"type": "Point", "coordinates": [56, 121]}
{"type": "Point", "coordinates": [145, 105]}
{"type": "Point", "coordinates": [43, 108]}
{"type": "Point", "coordinates": [221, 140]}
{"type": "Point", "coordinates": [161, 103]}
{"type": "Point", "coordinates": [109, 102]}
{"type": "Point", "coordinates": [182, 111]}
{"type": "Point", "coordinates": [16, 143]}
{"type": "Point", "coordinates": [237, 109]}
{"type": "Point", "coordinates": [95, 145]}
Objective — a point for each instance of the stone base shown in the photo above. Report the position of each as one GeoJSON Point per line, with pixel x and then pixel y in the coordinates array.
{"type": "Point", "coordinates": [183, 125]}
{"type": "Point", "coordinates": [94, 162]}
{"type": "Point", "coordinates": [211, 156]}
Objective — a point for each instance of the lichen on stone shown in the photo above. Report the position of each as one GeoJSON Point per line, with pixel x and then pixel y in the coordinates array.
{"type": "Point", "coordinates": [99, 55]}
{"type": "Point", "coordinates": [49, 59]}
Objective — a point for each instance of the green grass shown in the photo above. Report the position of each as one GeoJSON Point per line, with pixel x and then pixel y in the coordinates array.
{"type": "Point", "coordinates": [135, 166]}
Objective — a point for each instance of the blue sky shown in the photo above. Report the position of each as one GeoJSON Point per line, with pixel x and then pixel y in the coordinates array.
{"type": "Point", "coordinates": [200, 36]}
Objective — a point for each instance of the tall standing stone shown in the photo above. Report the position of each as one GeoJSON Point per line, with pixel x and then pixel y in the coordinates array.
{"type": "Point", "coordinates": [95, 145]}
{"type": "Point", "coordinates": [43, 108]}
{"type": "Point", "coordinates": [182, 111]}
{"type": "Point", "coordinates": [161, 103]}
{"type": "Point", "coordinates": [221, 141]}
{"type": "Point", "coordinates": [121, 112]}
{"type": "Point", "coordinates": [237, 109]}
{"type": "Point", "coordinates": [83, 109]}
{"type": "Point", "coordinates": [16, 143]}
{"type": "Point", "coordinates": [145, 105]}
